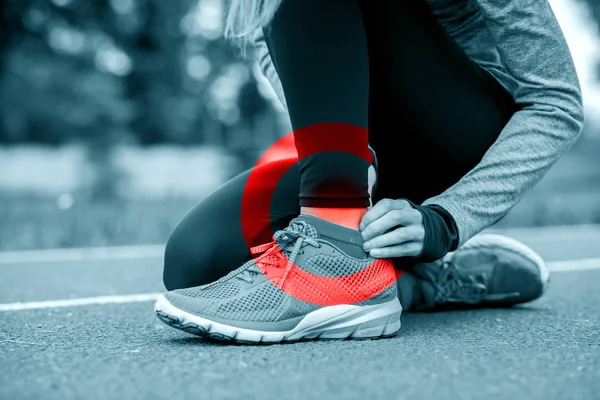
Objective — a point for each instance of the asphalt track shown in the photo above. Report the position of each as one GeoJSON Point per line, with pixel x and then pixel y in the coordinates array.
{"type": "Point", "coordinates": [79, 325]}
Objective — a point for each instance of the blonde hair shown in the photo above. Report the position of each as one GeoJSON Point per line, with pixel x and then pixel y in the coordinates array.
{"type": "Point", "coordinates": [245, 17]}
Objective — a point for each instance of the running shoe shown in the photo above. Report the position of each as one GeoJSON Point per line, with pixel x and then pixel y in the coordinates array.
{"type": "Point", "coordinates": [489, 270]}
{"type": "Point", "coordinates": [313, 281]}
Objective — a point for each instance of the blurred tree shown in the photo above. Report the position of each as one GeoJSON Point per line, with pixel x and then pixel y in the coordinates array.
{"type": "Point", "coordinates": [595, 11]}
{"type": "Point", "coordinates": [146, 71]}
{"type": "Point", "coordinates": [595, 8]}
{"type": "Point", "coordinates": [155, 45]}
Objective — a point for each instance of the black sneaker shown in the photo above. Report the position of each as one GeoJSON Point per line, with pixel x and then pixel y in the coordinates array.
{"type": "Point", "coordinates": [487, 271]}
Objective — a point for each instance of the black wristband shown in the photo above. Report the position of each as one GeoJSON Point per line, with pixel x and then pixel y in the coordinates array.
{"type": "Point", "coordinates": [441, 233]}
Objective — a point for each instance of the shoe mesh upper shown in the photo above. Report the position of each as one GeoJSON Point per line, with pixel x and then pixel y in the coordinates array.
{"type": "Point", "coordinates": [224, 291]}
{"type": "Point", "coordinates": [235, 297]}
{"type": "Point", "coordinates": [264, 304]}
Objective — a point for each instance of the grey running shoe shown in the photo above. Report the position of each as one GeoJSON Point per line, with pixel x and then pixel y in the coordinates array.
{"type": "Point", "coordinates": [313, 282]}
{"type": "Point", "coordinates": [487, 271]}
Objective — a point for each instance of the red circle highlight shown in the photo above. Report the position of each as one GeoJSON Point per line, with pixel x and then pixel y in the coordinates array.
{"type": "Point", "coordinates": [296, 282]}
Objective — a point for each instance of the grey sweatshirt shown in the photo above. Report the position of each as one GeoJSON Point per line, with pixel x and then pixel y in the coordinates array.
{"type": "Point", "coordinates": [520, 43]}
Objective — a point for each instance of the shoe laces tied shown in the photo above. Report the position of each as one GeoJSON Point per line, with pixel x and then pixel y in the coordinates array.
{"type": "Point", "coordinates": [453, 285]}
{"type": "Point", "coordinates": [286, 243]}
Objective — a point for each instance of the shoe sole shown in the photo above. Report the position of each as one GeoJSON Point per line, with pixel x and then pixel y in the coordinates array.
{"type": "Point", "coordinates": [491, 240]}
{"type": "Point", "coordinates": [341, 322]}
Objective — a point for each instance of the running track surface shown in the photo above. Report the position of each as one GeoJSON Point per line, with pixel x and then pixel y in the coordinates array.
{"type": "Point", "coordinates": [79, 324]}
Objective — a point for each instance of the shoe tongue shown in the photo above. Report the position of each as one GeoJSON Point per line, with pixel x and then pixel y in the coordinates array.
{"type": "Point", "coordinates": [346, 239]}
{"type": "Point", "coordinates": [318, 227]}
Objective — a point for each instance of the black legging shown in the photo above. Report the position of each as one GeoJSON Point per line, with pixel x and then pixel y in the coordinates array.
{"type": "Point", "coordinates": [385, 65]}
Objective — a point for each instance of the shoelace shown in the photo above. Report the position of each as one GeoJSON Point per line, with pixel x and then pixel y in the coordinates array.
{"type": "Point", "coordinates": [270, 253]}
{"type": "Point", "coordinates": [453, 285]}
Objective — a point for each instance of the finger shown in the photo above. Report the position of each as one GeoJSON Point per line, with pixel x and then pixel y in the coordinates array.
{"type": "Point", "coordinates": [391, 219]}
{"type": "Point", "coordinates": [412, 233]}
{"type": "Point", "coordinates": [408, 249]}
{"type": "Point", "coordinates": [380, 209]}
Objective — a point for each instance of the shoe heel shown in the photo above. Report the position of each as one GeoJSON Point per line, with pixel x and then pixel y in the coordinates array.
{"type": "Point", "coordinates": [381, 327]}
{"type": "Point", "coordinates": [390, 328]}
{"type": "Point", "coordinates": [366, 322]}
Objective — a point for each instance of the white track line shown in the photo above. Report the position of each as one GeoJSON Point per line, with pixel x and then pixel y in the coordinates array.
{"type": "Point", "coordinates": [82, 254]}
{"type": "Point", "coordinates": [36, 305]}
{"type": "Point", "coordinates": [585, 264]}
{"type": "Point", "coordinates": [554, 266]}
{"type": "Point", "coordinates": [560, 230]}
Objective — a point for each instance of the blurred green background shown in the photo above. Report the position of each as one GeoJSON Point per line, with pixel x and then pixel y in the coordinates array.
{"type": "Point", "coordinates": [117, 116]}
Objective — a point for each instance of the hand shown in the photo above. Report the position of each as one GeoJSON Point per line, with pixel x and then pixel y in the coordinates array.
{"type": "Point", "coordinates": [393, 228]}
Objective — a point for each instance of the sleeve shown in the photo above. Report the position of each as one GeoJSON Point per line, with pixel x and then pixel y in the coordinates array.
{"type": "Point", "coordinates": [267, 67]}
{"type": "Point", "coordinates": [549, 120]}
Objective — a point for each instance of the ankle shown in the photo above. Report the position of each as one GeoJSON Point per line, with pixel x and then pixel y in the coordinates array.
{"type": "Point", "coordinates": [348, 217]}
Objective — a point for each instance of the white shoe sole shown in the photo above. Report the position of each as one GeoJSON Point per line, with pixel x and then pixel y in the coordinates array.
{"type": "Point", "coordinates": [333, 322]}
{"type": "Point", "coordinates": [491, 240]}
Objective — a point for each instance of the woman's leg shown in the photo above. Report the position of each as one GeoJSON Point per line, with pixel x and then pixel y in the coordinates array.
{"type": "Point", "coordinates": [433, 112]}
{"type": "Point", "coordinates": [319, 51]}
